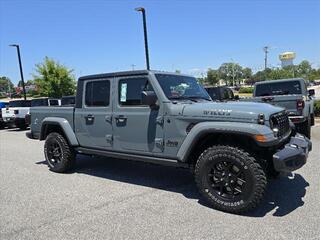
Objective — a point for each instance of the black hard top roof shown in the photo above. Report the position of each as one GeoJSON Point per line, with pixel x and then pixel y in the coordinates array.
{"type": "Point", "coordinates": [279, 80]}
{"type": "Point", "coordinates": [125, 73]}
{"type": "Point", "coordinates": [115, 74]}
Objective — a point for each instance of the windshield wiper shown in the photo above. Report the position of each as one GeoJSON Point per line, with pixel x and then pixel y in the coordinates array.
{"type": "Point", "coordinates": [199, 97]}
{"type": "Point", "coordinates": [182, 98]}
{"type": "Point", "coordinates": [191, 98]}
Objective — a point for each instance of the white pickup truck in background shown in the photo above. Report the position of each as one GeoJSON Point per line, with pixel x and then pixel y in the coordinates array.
{"type": "Point", "coordinates": [17, 112]}
{"type": "Point", "coordinates": [14, 114]}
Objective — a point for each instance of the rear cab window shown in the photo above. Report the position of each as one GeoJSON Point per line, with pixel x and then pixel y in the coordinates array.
{"type": "Point", "coordinates": [97, 93]}
{"type": "Point", "coordinates": [278, 88]}
{"type": "Point", "coordinates": [54, 102]}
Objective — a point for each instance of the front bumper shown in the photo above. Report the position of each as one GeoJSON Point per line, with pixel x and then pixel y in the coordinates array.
{"type": "Point", "coordinates": [294, 154]}
{"type": "Point", "coordinates": [8, 119]}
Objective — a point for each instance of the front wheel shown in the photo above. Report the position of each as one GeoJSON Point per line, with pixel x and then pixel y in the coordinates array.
{"type": "Point", "coordinates": [230, 179]}
{"type": "Point", "coordinates": [305, 128]}
{"type": "Point", "coordinates": [59, 155]}
{"type": "Point", "coordinates": [22, 126]}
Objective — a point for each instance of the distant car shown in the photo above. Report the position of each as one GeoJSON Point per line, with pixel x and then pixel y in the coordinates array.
{"type": "Point", "coordinates": [68, 100]}
{"type": "Point", "coordinates": [221, 93]}
{"type": "Point", "coordinates": [2, 105]}
{"type": "Point", "coordinates": [15, 112]}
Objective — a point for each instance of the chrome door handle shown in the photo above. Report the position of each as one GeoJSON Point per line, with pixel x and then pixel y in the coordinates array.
{"type": "Point", "coordinates": [120, 118]}
{"type": "Point", "coordinates": [89, 118]}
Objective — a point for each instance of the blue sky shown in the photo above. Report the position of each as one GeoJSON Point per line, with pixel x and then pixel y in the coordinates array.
{"type": "Point", "coordinates": [102, 36]}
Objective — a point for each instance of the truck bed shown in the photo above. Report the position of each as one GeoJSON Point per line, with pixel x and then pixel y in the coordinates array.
{"type": "Point", "coordinates": [38, 114]}
{"type": "Point", "coordinates": [288, 102]}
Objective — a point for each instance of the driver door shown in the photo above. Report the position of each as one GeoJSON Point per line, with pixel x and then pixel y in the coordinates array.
{"type": "Point", "coordinates": [136, 126]}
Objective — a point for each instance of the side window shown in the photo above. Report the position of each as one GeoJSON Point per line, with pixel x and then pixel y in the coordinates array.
{"type": "Point", "coordinates": [97, 93]}
{"type": "Point", "coordinates": [130, 90]}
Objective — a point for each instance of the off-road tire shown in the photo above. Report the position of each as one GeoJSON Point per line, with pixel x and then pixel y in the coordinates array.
{"type": "Point", "coordinates": [305, 128]}
{"type": "Point", "coordinates": [67, 161]}
{"type": "Point", "coordinates": [22, 126]}
{"type": "Point", "coordinates": [255, 178]}
{"type": "Point", "coordinates": [312, 119]}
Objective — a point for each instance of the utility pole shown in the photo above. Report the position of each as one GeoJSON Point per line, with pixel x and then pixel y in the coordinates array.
{"type": "Point", "coordinates": [21, 72]}
{"type": "Point", "coordinates": [233, 76]}
{"type": "Point", "coordinates": [266, 51]}
{"type": "Point", "coordinates": [141, 9]}
{"type": "Point", "coordinates": [132, 66]}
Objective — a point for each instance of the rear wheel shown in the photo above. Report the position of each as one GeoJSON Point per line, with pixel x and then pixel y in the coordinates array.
{"type": "Point", "coordinates": [230, 179]}
{"type": "Point", "coordinates": [59, 155]}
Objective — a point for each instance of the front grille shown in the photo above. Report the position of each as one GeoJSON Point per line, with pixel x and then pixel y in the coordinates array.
{"type": "Point", "coordinates": [281, 122]}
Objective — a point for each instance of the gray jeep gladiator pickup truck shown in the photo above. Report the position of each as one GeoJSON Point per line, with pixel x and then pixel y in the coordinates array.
{"type": "Point", "coordinates": [292, 94]}
{"type": "Point", "coordinates": [170, 119]}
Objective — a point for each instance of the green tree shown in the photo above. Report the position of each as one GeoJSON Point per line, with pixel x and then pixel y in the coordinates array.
{"type": "Point", "coordinates": [230, 73]}
{"type": "Point", "coordinates": [54, 79]}
{"type": "Point", "coordinates": [6, 85]}
{"type": "Point", "coordinates": [303, 69]}
{"type": "Point", "coordinates": [314, 74]}
{"type": "Point", "coordinates": [247, 73]}
{"type": "Point", "coordinates": [212, 76]}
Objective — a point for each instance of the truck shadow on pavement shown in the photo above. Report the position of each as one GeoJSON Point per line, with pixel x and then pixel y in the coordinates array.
{"type": "Point", "coordinates": [283, 195]}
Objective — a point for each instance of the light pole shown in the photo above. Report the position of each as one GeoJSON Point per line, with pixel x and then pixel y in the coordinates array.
{"type": "Point", "coordinates": [141, 9]}
{"type": "Point", "coordinates": [21, 72]}
{"type": "Point", "coordinates": [266, 51]}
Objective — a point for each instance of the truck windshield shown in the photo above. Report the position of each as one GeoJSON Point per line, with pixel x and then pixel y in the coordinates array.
{"type": "Point", "coordinates": [181, 87]}
{"type": "Point", "coordinates": [278, 88]}
{"type": "Point", "coordinates": [20, 103]}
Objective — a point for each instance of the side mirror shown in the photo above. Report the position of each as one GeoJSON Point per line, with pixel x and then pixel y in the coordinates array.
{"type": "Point", "coordinates": [236, 97]}
{"type": "Point", "coordinates": [311, 92]}
{"type": "Point", "coordinates": [149, 98]}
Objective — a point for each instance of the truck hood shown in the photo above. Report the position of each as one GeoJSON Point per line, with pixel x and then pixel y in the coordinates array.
{"type": "Point", "coordinates": [230, 111]}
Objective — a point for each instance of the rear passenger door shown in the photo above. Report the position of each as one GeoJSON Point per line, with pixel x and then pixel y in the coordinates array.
{"type": "Point", "coordinates": [93, 122]}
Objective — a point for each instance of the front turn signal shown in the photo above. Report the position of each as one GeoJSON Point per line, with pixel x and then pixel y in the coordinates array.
{"type": "Point", "coordinates": [260, 138]}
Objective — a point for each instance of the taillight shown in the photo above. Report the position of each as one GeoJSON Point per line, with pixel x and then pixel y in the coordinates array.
{"type": "Point", "coordinates": [300, 104]}
{"type": "Point", "coordinates": [16, 111]}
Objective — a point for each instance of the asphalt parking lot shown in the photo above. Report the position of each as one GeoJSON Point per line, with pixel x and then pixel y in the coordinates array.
{"type": "Point", "coordinates": [117, 199]}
